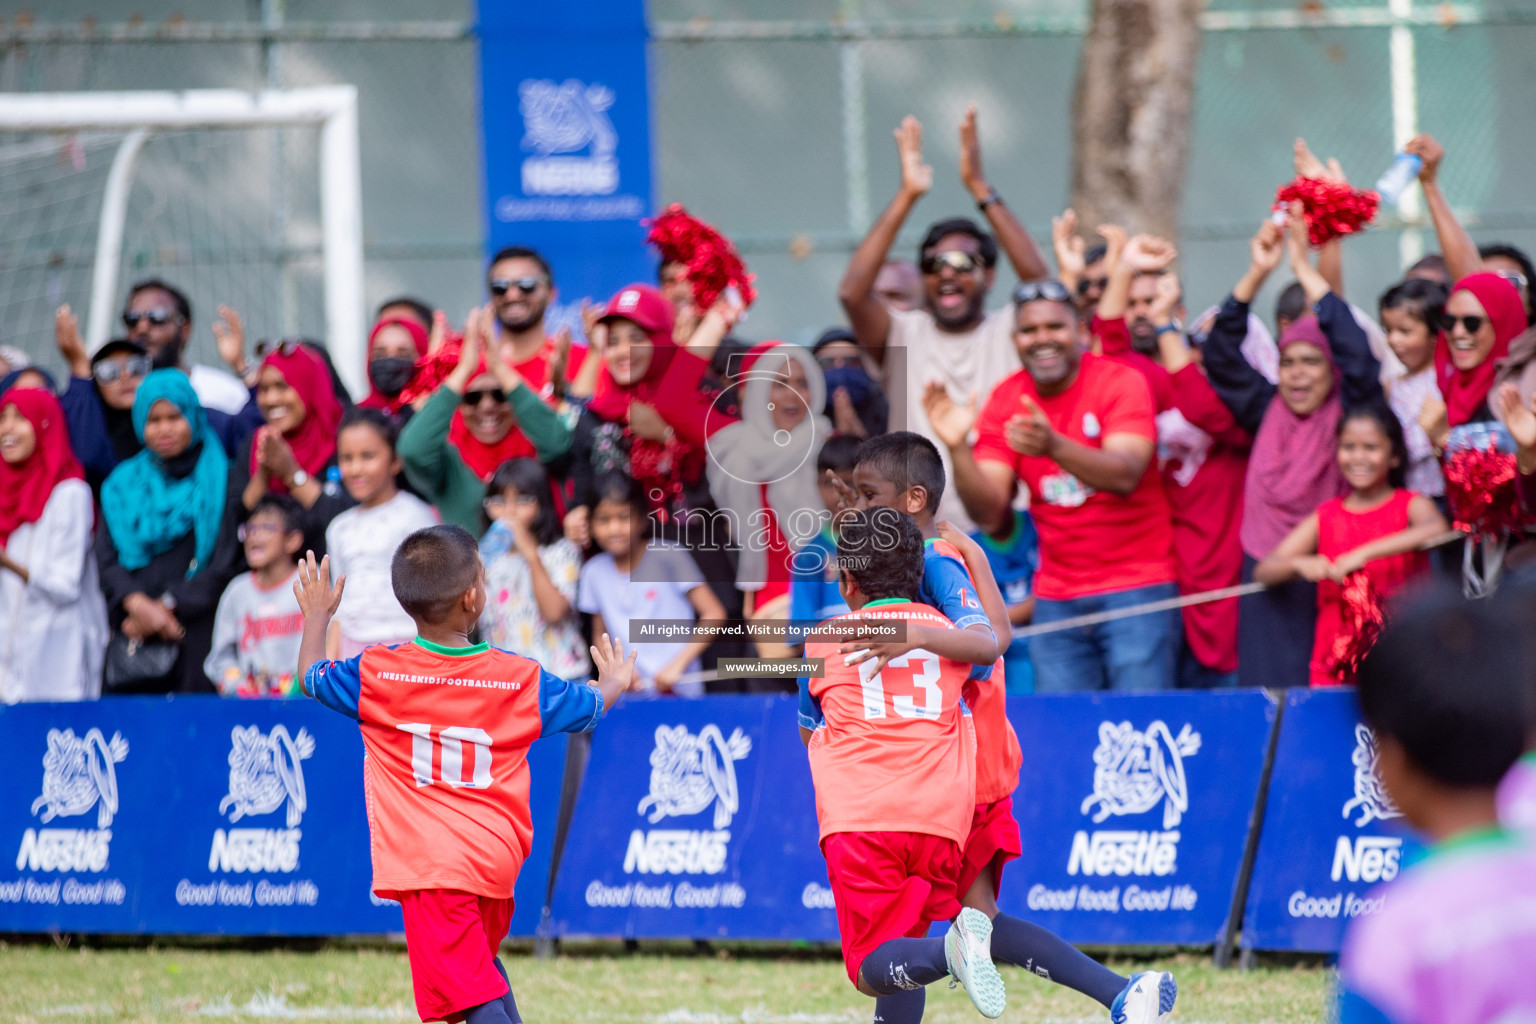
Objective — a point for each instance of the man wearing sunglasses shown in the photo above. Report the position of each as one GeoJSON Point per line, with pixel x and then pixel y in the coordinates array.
{"type": "Point", "coordinates": [951, 338]}
{"type": "Point", "coordinates": [98, 401]}
{"type": "Point", "coordinates": [159, 317]}
{"type": "Point", "coordinates": [521, 287]}
{"type": "Point", "coordinates": [1079, 432]}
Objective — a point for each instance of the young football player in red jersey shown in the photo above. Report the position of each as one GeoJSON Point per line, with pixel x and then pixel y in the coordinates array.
{"type": "Point", "coordinates": [446, 727]}
{"type": "Point", "coordinates": [902, 470]}
{"type": "Point", "coordinates": [893, 762]}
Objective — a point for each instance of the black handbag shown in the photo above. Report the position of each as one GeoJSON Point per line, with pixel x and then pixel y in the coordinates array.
{"type": "Point", "coordinates": [131, 662]}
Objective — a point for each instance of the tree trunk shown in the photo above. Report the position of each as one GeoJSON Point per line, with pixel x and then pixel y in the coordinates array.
{"type": "Point", "coordinates": [1131, 114]}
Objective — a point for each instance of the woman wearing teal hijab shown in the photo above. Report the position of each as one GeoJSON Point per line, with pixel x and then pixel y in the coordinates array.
{"type": "Point", "coordinates": [162, 564]}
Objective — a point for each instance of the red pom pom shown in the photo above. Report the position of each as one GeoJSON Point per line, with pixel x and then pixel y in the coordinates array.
{"type": "Point", "coordinates": [1363, 619]}
{"type": "Point", "coordinates": [1480, 487]}
{"type": "Point", "coordinates": [711, 259]}
{"type": "Point", "coordinates": [1332, 208]}
{"type": "Point", "coordinates": [432, 369]}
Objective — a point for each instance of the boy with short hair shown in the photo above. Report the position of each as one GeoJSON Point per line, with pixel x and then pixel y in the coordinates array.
{"type": "Point", "coordinates": [903, 471]}
{"type": "Point", "coordinates": [257, 626]}
{"type": "Point", "coordinates": [892, 846]}
{"type": "Point", "coordinates": [1456, 936]}
{"type": "Point", "coordinates": [813, 593]}
{"type": "Point", "coordinates": [446, 726]}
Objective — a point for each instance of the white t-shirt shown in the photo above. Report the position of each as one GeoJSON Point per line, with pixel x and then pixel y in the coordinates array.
{"type": "Point", "coordinates": [606, 591]}
{"type": "Point", "coordinates": [972, 362]}
{"type": "Point", "coordinates": [362, 543]}
{"type": "Point", "coordinates": [218, 390]}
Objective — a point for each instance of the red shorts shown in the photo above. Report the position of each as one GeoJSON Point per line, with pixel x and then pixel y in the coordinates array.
{"type": "Point", "coordinates": [994, 841]}
{"type": "Point", "coordinates": [886, 885]}
{"type": "Point", "coordinates": [451, 939]}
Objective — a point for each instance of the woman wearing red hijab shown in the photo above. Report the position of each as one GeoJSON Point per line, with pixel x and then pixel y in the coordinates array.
{"type": "Point", "coordinates": [53, 622]}
{"type": "Point", "coordinates": [395, 345]}
{"type": "Point", "coordinates": [294, 451]}
{"type": "Point", "coordinates": [1482, 316]}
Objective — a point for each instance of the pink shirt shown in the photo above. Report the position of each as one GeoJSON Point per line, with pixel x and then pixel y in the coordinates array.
{"type": "Point", "coordinates": [1453, 941]}
{"type": "Point", "coordinates": [1517, 795]}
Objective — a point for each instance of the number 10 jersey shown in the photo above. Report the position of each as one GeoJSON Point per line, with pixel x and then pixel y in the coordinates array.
{"type": "Point", "coordinates": [446, 733]}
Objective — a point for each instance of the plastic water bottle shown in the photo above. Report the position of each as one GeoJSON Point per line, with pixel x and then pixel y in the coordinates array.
{"type": "Point", "coordinates": [1402, 173]}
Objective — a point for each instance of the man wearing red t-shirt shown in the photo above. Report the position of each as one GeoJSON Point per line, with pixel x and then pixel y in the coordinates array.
{"type": "Point", "coordinates": [1078, 431]}
{"type": "Point", "coordinates": [521, 287]}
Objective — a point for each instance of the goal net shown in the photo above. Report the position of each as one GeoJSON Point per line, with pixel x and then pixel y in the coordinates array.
{"type": "Point", "coordinates": [249, 201]}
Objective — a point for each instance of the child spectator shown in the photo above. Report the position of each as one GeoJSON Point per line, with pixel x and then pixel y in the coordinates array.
{"type": "Point", "coordinates": [1378, 528]}
{"type": "Point", "coordinates": [1014, 555]}
{"type": "Point", "coordinates": [1454, 938]}
{"type": "Point", "coordinates": [256, 629]}
{"type": "Point", "coordinates": [1410, 311]}
{"type": "Point", "coordinates": [636, 577]}
{"type": "Point", "coordinates": [813, 592]}
{"type": "Point", "coordinates": [447, 805]}
{"type": "Point", "coordinates": [362, 540]}
{"type": "Point", "coordinates": [531, 572]}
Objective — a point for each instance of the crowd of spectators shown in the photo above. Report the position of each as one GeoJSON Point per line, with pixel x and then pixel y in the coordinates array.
{"type": "Point", "coordinates": [1108, 453]}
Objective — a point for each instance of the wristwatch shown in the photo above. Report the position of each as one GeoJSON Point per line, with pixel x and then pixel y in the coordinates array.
{"type": "Point", "coordinates": [1166, 328]}
{"type": "Point", "coordinates": [300, 478]}
{"type": "Point", "coordinates": [987, 200]}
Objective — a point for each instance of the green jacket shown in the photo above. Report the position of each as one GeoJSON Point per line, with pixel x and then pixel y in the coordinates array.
{"type": "Point", "coordinates": [434, 467]}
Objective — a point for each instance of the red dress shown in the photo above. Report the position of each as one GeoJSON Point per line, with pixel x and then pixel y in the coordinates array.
{"type": "Point", "coordinates": [1340, 531]}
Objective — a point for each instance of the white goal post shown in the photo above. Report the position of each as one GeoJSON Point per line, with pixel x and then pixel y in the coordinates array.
{"type": "Point", "coordinates": [332, 108]}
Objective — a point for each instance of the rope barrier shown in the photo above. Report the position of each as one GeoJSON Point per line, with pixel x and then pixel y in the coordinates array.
{"type": "Point", "coordinates": [1146, 608]}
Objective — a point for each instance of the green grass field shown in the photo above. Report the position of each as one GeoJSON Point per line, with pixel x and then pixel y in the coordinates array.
{"type": "Point", "coordinates": [170, 985]}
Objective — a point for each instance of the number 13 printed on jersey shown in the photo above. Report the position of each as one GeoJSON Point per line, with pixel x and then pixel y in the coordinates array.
{"type": "Point", "coordinates": [916, 672]}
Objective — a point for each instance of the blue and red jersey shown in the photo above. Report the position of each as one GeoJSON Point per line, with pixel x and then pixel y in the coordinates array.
{"type": "Point", "coordinates": [446, 733]}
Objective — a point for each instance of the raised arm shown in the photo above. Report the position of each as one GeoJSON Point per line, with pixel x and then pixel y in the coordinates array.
{"type": "Point", "coordinates": [1460, 252]}
{"type": "Point", "coordinates": [1014, 239]}
{"type": "Point", "coordinates": [867, 315]}
{"type": "Point", "coordinates": [1243, 389]}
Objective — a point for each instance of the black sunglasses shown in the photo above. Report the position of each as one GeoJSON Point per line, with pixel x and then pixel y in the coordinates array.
{"type": "Point", "coordinates": [1473, 324]}
{"type": "Point", "coordinates": [284, 347]}
{"type": "Point", "coordinates": [955, 259]}
{"type": "Point", "coordinates": [527, 285]}
{"type": "Point", "coordinates": [111, 371]}
{"type": "Point", "coordinates": [1048, 288]}
{"type": "Point", "coordinates": [1084, 285]}
{"type": "Point", "coordinates": [476, 397]}
{"type": "Point", "coordinates": [833, 362]}
{"type": "Point", "coordinates": [155, 316]}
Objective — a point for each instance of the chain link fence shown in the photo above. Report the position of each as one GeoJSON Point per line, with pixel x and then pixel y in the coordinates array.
{"type": "Point", "coordinates": [771, 118]}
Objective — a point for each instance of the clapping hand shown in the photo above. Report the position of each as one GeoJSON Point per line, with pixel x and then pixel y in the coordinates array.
{"type": "Point", "coordinates": [1267, 247]}
{"type": "Point", "coordinates": [1520, 418]}
{"type": "Point", "coordinates": [1070, 263]}
{"type": "Point", "coordinates": [971, 175]}
{"type": "Point", "coordinates": [916, 176]}
{"type": "Point", "coordinates": [1148, 254]}
{"type": "Point", "coordinates": [1030, 432]}
{"type": "Point", "coordinates": [229, 332]}
{"type": "Point", "coordinates": [1309, 166]}
{"type": "Point", "coordinates": [949, 419]}
{"type": "Point", "coordinates": [66, 335]}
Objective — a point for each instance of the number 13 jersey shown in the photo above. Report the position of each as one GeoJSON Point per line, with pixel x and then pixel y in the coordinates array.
{"type": "Point", "coordinates": [446, 733]}
{"type": "Point", "coordinates": [892, 751]}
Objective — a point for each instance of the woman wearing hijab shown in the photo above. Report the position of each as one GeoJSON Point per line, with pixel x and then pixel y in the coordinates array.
{"type": "Point", "coordinates": [294, 451]}
{"type": "Point", "coordinates": [1483, 315]}
{"type": "Point", "coordinates": [162, 569]}
{"type": "Point", "coordinates": [53, 624]}
{"type": "Point", "coordinates": [646, 415]}
{"type": "Point", "coordinates": [762, 473]}
{"type": "Point", "coordinates": [1325, 365]}
{"type": "Point", "coordinates": [394, 346]}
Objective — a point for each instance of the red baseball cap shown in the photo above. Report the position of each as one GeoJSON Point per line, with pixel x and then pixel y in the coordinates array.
{"type": "Point", "coordinates": [643, 305]}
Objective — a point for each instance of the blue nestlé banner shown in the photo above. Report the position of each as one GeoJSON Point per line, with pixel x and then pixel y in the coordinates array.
{"type": "Point", "coordinates": [1330, 831]}
{"type": "Point", "coordinates": [697, 820]}
{"type": "Point", "coordinates": [204, 816]}
{"type": "Point", "coordinates": [1133, 811]}
{"type": "Point", "coordinates": [565, 110]}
